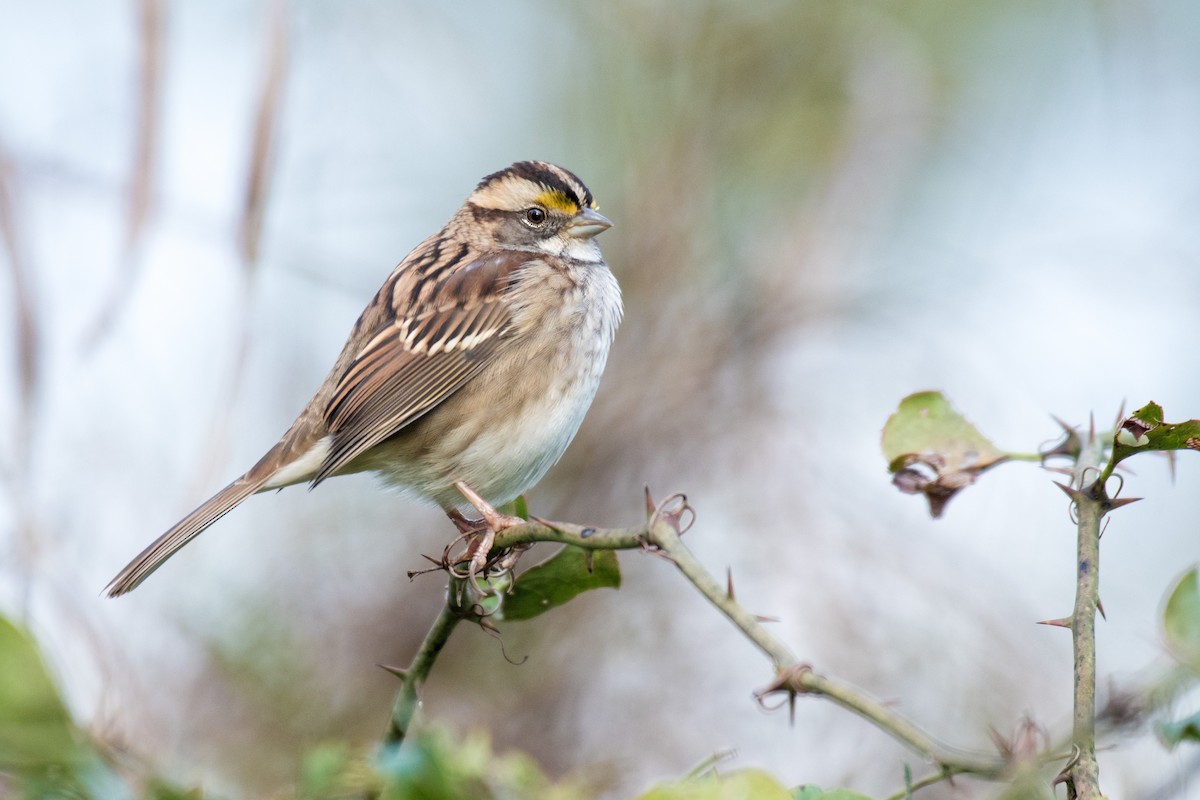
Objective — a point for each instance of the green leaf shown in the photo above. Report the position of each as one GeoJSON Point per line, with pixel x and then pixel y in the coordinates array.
{"type": "Point", "coordinates": [933, 450]}
{"type": "Point", "coordinates": [1181, 620]}
{"type": "Point", "coordinates": [1144, 430]}
{"type": "Point", "coordinates": [558, 579]}
{"type": "Point", "coordinates": [1183, 730]}
{"type": "Point", "coordinates": [746, 784]}
{"type": "Point", "coordinates": [35, 729]}
{"type": "Point", "coordinates": [817, 793]}
{"type": "Point", "coordinates": [516, 508]}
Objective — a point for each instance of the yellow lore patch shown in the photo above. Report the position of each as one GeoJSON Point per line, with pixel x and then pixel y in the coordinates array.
{"type": "Point", "coordinates": [557, 200]}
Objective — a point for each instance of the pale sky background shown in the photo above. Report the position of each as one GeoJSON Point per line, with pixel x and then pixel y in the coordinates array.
{"type": "Point", "coordinates": [819, 209]}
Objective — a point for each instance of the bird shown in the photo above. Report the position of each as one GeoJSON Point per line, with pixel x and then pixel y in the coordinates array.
{"type": "Point", "coordinates": [466, 376]}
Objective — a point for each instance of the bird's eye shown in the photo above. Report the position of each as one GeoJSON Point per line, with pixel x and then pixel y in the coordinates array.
{"type": "Point", "coordinates": [535, 216]}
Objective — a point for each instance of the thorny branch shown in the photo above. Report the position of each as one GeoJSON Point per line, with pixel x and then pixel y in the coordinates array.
{"type": "Point", "coordinates": [1089, 502]}
{"type": "Point", "coordinates": [662, 535]}
{"type": "Point", "coordinates": [404, 708]}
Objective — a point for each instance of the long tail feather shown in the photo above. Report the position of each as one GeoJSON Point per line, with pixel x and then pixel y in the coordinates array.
{"type": "Point", "coordinates": [183, 532]}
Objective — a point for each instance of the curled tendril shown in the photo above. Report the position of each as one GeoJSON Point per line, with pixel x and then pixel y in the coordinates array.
{"type": "Point", "coordinates": [673, 510]}
{"type": "Point", "coordinates": [1065, 775]}
{"type": "Point", "coordinates": [1083, 475]}
{"type": "Point", "coordinates": [1120, 485]}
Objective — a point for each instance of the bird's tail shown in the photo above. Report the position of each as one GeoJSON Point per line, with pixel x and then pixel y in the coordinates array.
{"type": "Point", "coordinates": [183, 532]}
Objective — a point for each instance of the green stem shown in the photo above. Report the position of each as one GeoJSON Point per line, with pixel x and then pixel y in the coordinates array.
{"type": "Point", "coordinates": [944, 774]}
{"type": "Point", "coordinates": [589, 538]}
{"type": "Point", "coordinates": [406, 704]}
{"type": "Point", "coordinates": [1085, 773]}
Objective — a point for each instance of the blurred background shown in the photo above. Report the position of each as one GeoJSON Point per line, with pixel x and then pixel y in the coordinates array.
{"type": "Point", "coordinates": [819, 208]}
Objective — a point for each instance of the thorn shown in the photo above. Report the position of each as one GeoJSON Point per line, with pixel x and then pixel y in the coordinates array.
{"type": "Point", "coordinates": [402, 674]}
{"type": "Point", "coordinates": [1061, 622]}
{"type": "Point", "coordinates": [438, 566]}
{"type": "Point", "coordinates": [765, 618]}
{"type": "Point", "coordinates": [1171, 464]}
{"type": "Point", "coordinates": [729, 584]}
{"type": "Point", "coordinates": [1067, 429]}
{"type": "Point", "coordinates": [1059, 470]}
{"type": "Point", "coordinates": [650, 509]}
{"type": "Point", "coordinates": [1067, 490]}
{"type": "Point", "coordinates": [1092, 427]}
{"type": "Point", "coordinates": [999, 741]}
{"type": "Point", "coordinates": [1100, 608]}
{"type": "Point", "coordinates": [1121, 501]}
{"type": "Point", "coordinates": [1068, 447]}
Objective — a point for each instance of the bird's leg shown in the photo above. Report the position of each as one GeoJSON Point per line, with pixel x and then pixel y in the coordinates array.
{"type": "Point", "coordinates": [493, 523]}
{"type": "Point", "coordinates": [494, 519]}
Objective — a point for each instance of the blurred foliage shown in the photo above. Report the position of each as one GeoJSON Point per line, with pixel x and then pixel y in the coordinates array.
{"type": "Point", "coordinates": [41, 749]}
{"type": "Point", "coordinates": [1181, 632]}
{"type": "Point", "coordinates": [1172, 732]}
{"type": "Point", "coordinates": [35, 729]}
{"type": "Point", "coordinates": [432, 765]}
{"type": "Point", "coordinates": [746, 784]}
{"type": "Point", "coordinates": [816, 793]}
{"type": "Point", "coordinates": [44, 755]}
{"type": "Point", "coordinates": [1181, 620]}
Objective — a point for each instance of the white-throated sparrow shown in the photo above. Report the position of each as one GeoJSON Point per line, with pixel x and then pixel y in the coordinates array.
{"type": "Point", "coordinates": [469, 372]}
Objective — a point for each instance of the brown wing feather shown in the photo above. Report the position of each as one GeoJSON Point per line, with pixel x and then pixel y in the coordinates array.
{"type": "Point", "coordinates": [435, 339]}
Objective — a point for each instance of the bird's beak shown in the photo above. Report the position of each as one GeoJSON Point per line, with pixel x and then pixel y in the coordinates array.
{"type": "Point", "coordinates": [587, 223]}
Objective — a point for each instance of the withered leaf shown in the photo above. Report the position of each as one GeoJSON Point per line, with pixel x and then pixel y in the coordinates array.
{"type": "Point", "coordinates": [933, 450]}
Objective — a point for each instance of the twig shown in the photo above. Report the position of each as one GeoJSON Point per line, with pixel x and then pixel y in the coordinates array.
{"type": "Point", "coordinates": [796, 678]}
{"type": "Point", "coordinates": [266, 121]}
{"type": "Point", "coordinates": [662, 531]}
{"type": "Point", "coordinates": [152, 41]}
{"type": "Point", "coordinates": [589, 538]}
{"type": "Point", "coordinates": [267, 117]}
{"type": "Point", "coordinates": [15, 465]}
{"type": "Point", "coordinates": [412, 678]}
{"type": "Point", "coordinates": [1084, 775]}
{"type": "Point", "coordinates": [944, 774]}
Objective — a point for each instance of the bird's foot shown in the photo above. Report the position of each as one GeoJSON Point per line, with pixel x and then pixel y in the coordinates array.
{"type": "Point", "coordinates": [481, 533]}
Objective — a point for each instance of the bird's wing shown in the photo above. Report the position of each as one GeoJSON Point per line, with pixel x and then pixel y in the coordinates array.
{"type": "Point", "coordinates": [427, 334]}
{"type": "Point", "coordinates": [439, 331]}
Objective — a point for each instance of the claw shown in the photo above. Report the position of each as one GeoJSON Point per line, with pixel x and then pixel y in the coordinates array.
{"type": "Point", "coordinates": [481, 545]}
{"type": "Point", "coordinates": [464, 525]}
